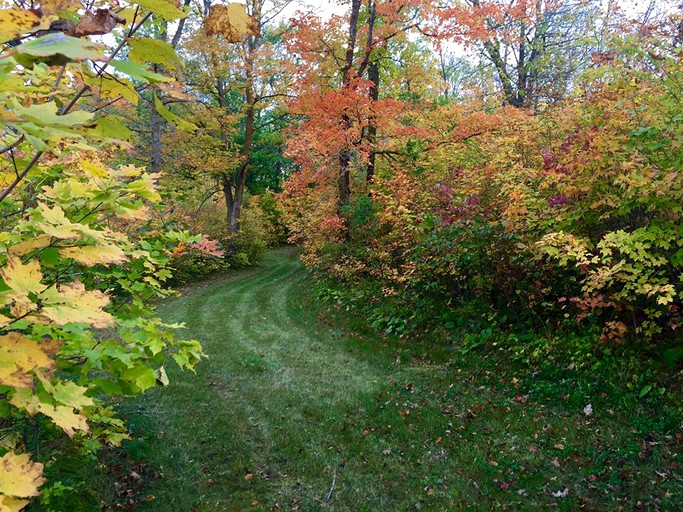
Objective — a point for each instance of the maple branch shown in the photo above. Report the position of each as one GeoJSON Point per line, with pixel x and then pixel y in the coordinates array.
{"type": "Point", "coordinates": [21, 176]}
{"type": "Point", "coordinates": [71, 105]}
{"type": "Point", "coordinates": [13, 145]}
{"type": "Point", "coordinates": [368, 44]}
{"type": "Point", "coordinates": [59, 77]}
{"type": "Point", "coordinates": [272, 121]}
{"type": "Point", "coordinates": [211, 194]}
{"type": "Point", "coordinates": [181, 25]}
{"type": "Point", "coordinates": [277, 13]}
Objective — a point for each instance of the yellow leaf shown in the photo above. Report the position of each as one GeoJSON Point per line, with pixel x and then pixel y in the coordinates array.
{"type": "Point", "coordinates": [230, 21]}
{"type": "Point", "coordinates": [56, 224]}
{"type": "Point", "coordinates": [18, 357]}
{"type": "Point", "coordinates": [27, 246]}
{"type": "Point", "coordinates": [90, 255]}
{"type": "Point", "coordinates": [21, 306]}
{"type": "Point", "coordinates": [4, 321]}
{"type": "Point", "coordinates": [19, 476]}
{"type": "Point", "coordinates": [94, 168]}
{"type": "Point", "coordinates": [9, 504]}
{"type": "Point", "coordinates": [23, 279]}
{"type": "Point", "coordinates": [113, 88]}
{"type": "Point", "coordinates": [63, 416]}
{"type": "Point", "coordinates": [73, 303]}
{"type": "Point", "coordinates": [16, 21]}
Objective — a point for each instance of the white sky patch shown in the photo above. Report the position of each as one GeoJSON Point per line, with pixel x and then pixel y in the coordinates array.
{"type": "Point", "coordinates": [326, 8]}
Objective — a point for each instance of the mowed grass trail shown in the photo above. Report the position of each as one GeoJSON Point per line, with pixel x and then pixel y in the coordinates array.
{"type": "Point", "coordinates": [300, 408]}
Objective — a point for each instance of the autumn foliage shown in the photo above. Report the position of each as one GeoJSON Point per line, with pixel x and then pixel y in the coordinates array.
{"type": "Point", "coordinates": [569, 213]}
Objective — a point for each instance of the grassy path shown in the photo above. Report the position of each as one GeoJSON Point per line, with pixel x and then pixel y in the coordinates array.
{"type": "Point", "coordinates": [293, 399]}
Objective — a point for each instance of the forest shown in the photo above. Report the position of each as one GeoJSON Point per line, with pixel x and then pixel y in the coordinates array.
{"type": "Point", "coordinates": [358, 255]}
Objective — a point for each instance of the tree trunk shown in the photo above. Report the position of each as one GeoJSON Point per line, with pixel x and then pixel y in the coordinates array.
{"type": "Point", "coordinates": [156, 126]}
{"type": "Point", "coordinates": [157, 123]}
{"type": "Point", "coordinates": [231, 219]}
{"type": "Point", "coordinates": [344, 178]}
{"type": "Point", "coordinates": [234, 205]}
{"type": "Point", "coordinates": [373, 76]}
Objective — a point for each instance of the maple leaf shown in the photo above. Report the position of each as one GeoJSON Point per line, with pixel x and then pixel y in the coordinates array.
{"type": "Point", "coordinates": [19, 476]}
{"type": "Point", "coordinates": [72, 395]}
{"type": "Point", "coordinates": [65, 417]}
{"type": "Point", "coordinates": [9, 504]}
{"type": "Point", "coordinates": [22, 279]}
{"type": "Point", "coordinates": [62, 415]}
{"type": "Point", "coordinates": [90, 255]}
{"type": "Point", "coordinates": [28, 246]}
{"type": "Point", "coordinates": [16, 21]}
{"type": "Point", "coordinates": [165, 9]}
{"type": "Point", "coordinates": [231, 22]}
{"type": "Point", "coordinates": [18, 357]}
{"type": "Point", "coordinates": [56, 224]}
{"type": "Point", "coordinates": [73, 303]}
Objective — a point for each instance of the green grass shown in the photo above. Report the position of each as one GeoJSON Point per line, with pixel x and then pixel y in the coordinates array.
{"type": "Point", "coordinates": [295, 395]}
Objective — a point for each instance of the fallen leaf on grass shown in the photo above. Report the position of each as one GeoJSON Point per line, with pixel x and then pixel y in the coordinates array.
{"type": "Point", "coordinates": [561, 494]}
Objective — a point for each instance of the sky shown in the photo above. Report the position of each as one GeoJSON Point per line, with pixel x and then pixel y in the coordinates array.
{"type": "Point", "coordinates": [325, 8]}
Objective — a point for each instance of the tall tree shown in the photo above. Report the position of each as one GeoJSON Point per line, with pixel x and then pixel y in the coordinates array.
{"type": "Point", "coordinates": [237, 82]}
{"type": "Point", "coordinates": [339, 78]}
{"type": "Point", "coordinates": [536, 47]}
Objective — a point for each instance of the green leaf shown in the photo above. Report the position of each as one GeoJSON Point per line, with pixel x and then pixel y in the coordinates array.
{"type": "Point", "coordinates": [645, 390]}
{"type": "Point", "coordinates": [141, 377]}
{"type": "Point", "coordinates": [58, 48]}
{"type": "Point", "coordinates": [46, 114]}
{"type": "Point", "coordinates": [72, 395]}
{"type": "Point", "coordinates": [153, 50]}
{"type": "Point", "coordinates": [137, 71]}
{"type": "Point", "coordinates": [111, 128]}
{"type": "Point", "coordinates": [166, 9]}
{"type": "Point", "coordinates": [172, 118]}
{"type": "Point", "coordinates": [49, 257]}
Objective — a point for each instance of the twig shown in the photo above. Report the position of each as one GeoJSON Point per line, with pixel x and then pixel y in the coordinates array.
{"type": "Point", "coordinates": [71, 104]}
{"type": "Point", "coordinates": [21, 176]}
{"type": "Point", "coordinates": [334, 481]}
{"type": "Point", "coordinates": [13, 145]}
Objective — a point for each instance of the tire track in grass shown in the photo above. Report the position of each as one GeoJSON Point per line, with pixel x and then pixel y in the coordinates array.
{"type": "Point", "coordinates": [272, 377]}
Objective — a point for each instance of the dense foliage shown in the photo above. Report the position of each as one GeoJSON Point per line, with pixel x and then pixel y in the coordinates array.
{"type": "Point", "coordinates": [564, 213]}
{"type": "Point", "coordinates": [524, 188]}
{"type": "Point", "coordinates": [82, 260]}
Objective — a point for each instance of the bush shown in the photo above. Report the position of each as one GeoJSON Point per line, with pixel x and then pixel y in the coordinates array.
{"type": "Point", "coordinates": [249, 245]}
{"type": "Point", "coordinates": [193, 265]}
